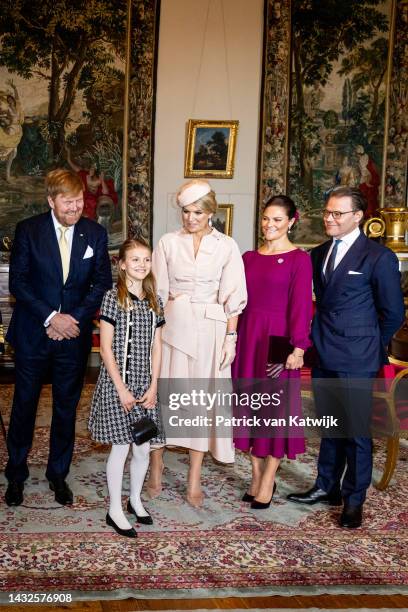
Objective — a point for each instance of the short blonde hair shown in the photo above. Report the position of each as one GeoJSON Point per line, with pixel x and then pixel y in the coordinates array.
{"type": "Point", "coordinates": [63, 181]}
{"type": "Point", "coordinates": [207, 203]}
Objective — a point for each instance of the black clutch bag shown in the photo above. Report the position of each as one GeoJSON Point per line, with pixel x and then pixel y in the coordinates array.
{"type": "Point", "coordinates": [280, 347]}
{"type": "Point", "coordinates": [143, 430]}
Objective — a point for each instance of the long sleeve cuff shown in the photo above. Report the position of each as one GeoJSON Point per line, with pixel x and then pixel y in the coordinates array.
{"type": "Point", "coordinates": [302, 343]}
{"type": "Point", "coordinates": [48, 319]}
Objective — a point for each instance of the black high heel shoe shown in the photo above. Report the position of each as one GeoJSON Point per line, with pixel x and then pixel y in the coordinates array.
{"type": "Point", "coordinates": [250, 498]}
{"type": "Point", "coordinates": [128, 533]}
{"type": "Point", "coordinates": [257, 505]}
{"type": "Point", "coordinates": [144, 520]}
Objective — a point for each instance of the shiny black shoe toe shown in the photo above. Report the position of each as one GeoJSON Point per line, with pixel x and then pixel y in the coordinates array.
{"type": "Point", "coordinates": [351, 517]}
{"type": "Point", "coordinates": [316, 496]}
{"type": "Point", "coordinates": [63, 494]}
{"type": "Point", "coordinates": [14, 494]}
{"type": "Point", "coordinates": [143, 520]}
{"type": "Point", "coordinates": [127, 533]}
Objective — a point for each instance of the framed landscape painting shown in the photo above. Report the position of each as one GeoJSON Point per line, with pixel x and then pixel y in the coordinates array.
{"type": "Point", "coordinates": [222, 219]}
{"type": "Point", "coordinates": [210, 149]}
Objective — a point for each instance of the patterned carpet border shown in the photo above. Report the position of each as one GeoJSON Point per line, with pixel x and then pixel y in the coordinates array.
{"type": "Point", "coordinates": [223, 550]}
{"type": "Point", "coordinates": [130, 593]}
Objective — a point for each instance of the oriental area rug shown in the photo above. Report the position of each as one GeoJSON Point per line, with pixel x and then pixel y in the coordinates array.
{"type": "Point", "coordinates": [223, 549]}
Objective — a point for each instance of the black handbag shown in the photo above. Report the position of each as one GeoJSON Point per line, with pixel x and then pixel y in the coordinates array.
{"type": "Point", "coordinates": [143, 430]}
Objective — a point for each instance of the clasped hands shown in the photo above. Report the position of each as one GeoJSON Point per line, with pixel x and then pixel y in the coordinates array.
{"type": "Point", "coordinates": [128, 400]}
{"type": "Point", "coordinates": [63, 326]}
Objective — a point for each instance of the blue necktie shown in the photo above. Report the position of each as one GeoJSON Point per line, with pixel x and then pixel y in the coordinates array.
{"type": "Point", "coordinates": [330, 263]}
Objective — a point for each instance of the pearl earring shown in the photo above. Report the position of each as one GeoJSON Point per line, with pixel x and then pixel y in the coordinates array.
{"type": "Point", "coordinates": [210, 221]}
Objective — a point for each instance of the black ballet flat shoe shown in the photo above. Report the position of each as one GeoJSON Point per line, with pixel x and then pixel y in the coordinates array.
{"type": "Point", "coordinates": [250, 498]}
{"type": "Point", "coordinates": [144, 520]}
{"type": "Point", "coordinates": [127, 533]}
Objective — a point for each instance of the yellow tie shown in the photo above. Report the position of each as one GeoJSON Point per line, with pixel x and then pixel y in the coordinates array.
{"type": "Point", "coordinates": [64, 251]}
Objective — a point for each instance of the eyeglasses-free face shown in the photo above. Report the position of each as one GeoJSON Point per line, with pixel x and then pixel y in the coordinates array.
{"type": "Point", "coordinates": [339, 217]}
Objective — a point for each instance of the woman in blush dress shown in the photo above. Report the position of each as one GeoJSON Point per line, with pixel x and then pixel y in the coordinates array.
{"type": "Point", "coordinates": [201, 280]}
{"type": "Point", "coordinates": [279, 282]}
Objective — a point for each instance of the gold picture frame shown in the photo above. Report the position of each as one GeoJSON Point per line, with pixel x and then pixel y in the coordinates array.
{"type": "Point", "coordinates": [222, 219]}
{"type": "Point", "coordinates": [209, 157]}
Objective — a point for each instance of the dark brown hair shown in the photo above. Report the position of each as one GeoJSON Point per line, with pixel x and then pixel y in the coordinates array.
{"type": "Point", "coordinates": [358, 201]}
{"type": "Point", "coordinates": [284, 202]}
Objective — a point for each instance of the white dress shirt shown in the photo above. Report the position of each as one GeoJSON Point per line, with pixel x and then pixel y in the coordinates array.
{"type": "Point", "coordinates": [69, 234]}
{"type": "Point", "coordinates": [346, 242]}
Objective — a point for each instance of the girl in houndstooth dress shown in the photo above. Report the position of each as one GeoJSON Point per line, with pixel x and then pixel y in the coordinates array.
{"type": "Point", "coordinates": [131, 320]}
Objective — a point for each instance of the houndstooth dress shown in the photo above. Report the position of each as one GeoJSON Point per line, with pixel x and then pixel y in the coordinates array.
{"type": "Point", "coordinates": [132, 344]}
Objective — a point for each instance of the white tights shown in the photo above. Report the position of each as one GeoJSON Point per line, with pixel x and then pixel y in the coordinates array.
{"type": "Point", "coordinates": [114, 473]}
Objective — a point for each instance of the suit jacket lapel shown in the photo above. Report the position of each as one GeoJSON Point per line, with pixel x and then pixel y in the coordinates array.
{"type": "Point", "coordinates": [50, 240]}
{"type": "Point", "coordinates": [78, 248]}
{"type": "Point", "coordinates": [323, 256]}
{"type": "Point", "coordinates": [354, 254]}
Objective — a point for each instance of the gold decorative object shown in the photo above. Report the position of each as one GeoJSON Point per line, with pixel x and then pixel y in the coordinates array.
{"type": "Point", "coordinates": [396, 224]}
{"type": "Point", "coordinates": [6, 242]}
{"type": "Point", "coordinates": [374, 227]}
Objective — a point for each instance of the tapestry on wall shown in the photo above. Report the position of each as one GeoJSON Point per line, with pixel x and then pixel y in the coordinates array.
{"type": "Point", "coordinates": [69, 97]}
{"type": "Point", "coordinates": [397, 149]}
{"type": "Point", "coordinates": [338, 91]}
{"type": "Point", "coordinates": [272, 158]}
{"type": "Point", "coordinates": [142, 108]}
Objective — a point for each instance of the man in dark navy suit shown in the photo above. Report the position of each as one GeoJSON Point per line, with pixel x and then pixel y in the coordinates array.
{"type": "Point", "coordinates": [59, 271]}
{"type": "Point", "coordinates": [359, 307]}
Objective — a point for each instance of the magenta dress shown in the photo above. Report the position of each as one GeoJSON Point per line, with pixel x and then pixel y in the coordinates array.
{"type": "Point", "coordinates": [279, 304]}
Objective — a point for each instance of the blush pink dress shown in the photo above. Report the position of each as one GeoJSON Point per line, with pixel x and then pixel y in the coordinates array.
{"type": "Point", "coordinates": [199, 294]}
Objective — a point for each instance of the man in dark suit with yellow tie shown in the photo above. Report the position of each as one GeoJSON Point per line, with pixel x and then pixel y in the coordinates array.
{"type": "Point", "coordinates": [359, 306]}
{"type": "Point", "coordinates": [59, 271]}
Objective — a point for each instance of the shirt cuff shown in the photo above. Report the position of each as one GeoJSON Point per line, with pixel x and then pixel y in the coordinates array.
{"type": "Point", "coordinates": [48, 319]}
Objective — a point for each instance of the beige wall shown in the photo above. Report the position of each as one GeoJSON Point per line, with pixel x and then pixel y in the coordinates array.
{"type": "Point", "coordinates": [180, 44]}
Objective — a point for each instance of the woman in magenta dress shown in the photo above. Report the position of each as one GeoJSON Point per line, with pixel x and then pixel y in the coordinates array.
{"type": "Point", "coordinates": [279, 282]}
